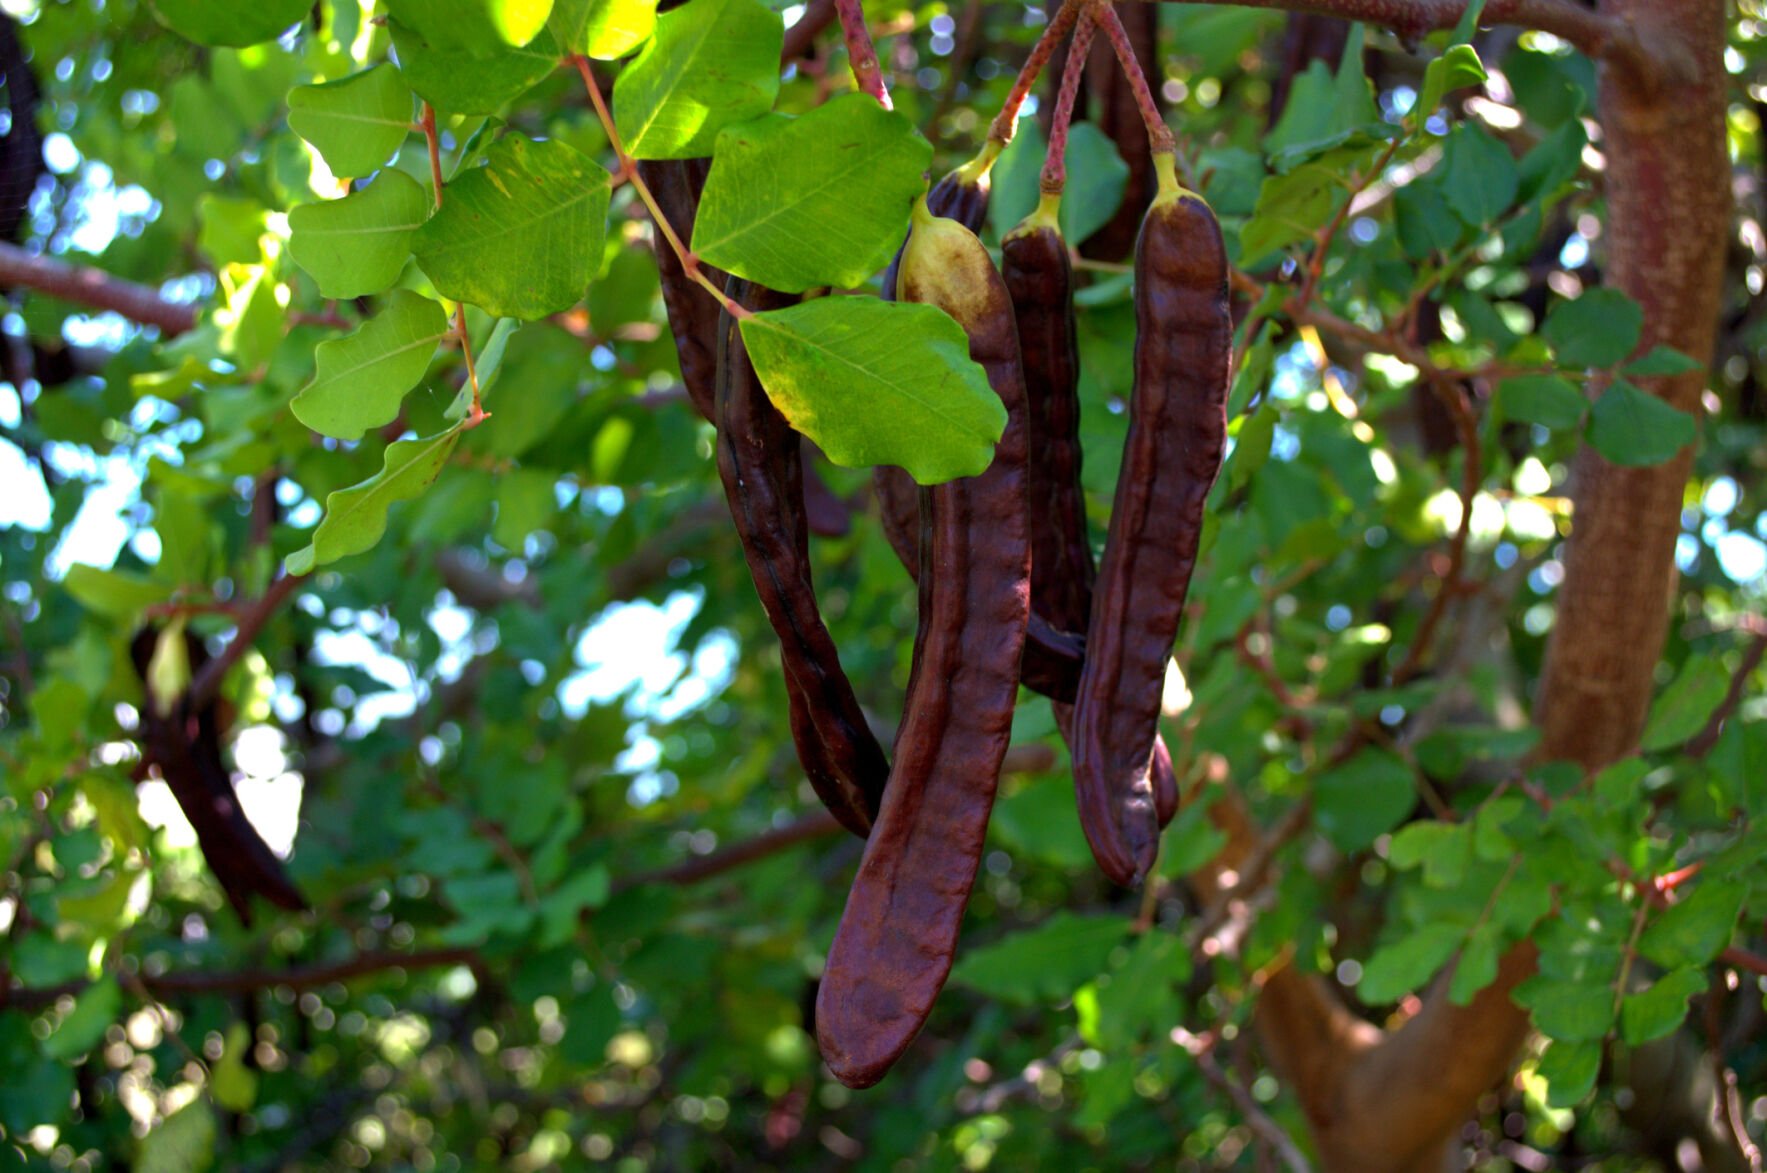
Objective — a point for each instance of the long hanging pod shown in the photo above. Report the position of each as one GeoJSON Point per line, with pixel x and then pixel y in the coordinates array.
{"type": "Point", "coordinates": [898, 934]}
{"type": "Point", "coordinates": [760, 462]}
{"type": "Point", "coordinates": [1177, 435]}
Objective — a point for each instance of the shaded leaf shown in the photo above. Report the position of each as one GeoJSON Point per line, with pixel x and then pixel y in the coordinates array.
{"type": "Point", "coordinates": [356, 517]}
{"type": "Point", "coordinates": [362, 377]}
{"type": "Point", "coordinates": [1632, 427]}
{"type": "Point", "coordinates": [358, 245]}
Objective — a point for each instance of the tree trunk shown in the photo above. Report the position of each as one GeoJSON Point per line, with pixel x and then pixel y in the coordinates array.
{"type": "Point", "coordinates": [1396, 1104]}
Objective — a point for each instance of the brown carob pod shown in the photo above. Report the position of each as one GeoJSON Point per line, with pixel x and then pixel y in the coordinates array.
{"type": "Point", "coordinates": [1177, 433]}
{"type": "Point", "coordinates": [676, 184]}
{"type": "Point", "coordinates": [1039, 277]}
{"type": "Point", "coordinates": [896, 939]}
{"type": "Point", "coordinates": [761, 464]}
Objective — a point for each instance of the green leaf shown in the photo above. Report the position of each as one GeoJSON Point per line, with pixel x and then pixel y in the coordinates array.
{"type": "Point", "coordinates": [1569, 1070]}
{"type": "Point", "coordinates": [603, 29]}
{"type": "Point", "coordinates": [818, 199]}
{"type": "Point", "coordinates": [1480, 174]}
{"type": "Point", "coordinates": [209, 23]}
{"type": "Point", "coordinates": [183, 1142]}
{"type": "Point", "coordinates": [1457, 68]}
{"type": "Point", "coordinates": [1424, 221]}
{"type": "Point", "coordinates": [82, 1028]}
{"type": "Point", "coordinates": [357, 122]}
{"type": "Point", "coordinates": [1291, 208]}
{"type": "Point", "coordinates": [1571, 1011]}
{"type": "Point", "coordinates": [1406, 964]}
{"type": "Point", "coordinates": [114, 592]}
{"type": "Point", "coordinates": [1696, 928]}
{"type": "Point", "coordinates": [1365, 797]}
{"type": "Point", "coordinates": [358, 245]}
{"type": "Point", "coordinates": [472, 26]}
{"type": "Point", "coordinates": [356, 517]}
{"type": "Point", "coordinates": [1476, 968]}
{"type": "Point", "coordinates": [1043, 964]}
{"type": "Point", "coordinates": [464, 81]}
{"type": "Point", "coordinates": [1548, 400]}
{"type": "Point", "coordinates": [521, 236]}
{"type": "Point", "coordinates": [362, 377]}
{"type": "Point", "coordinates": [876, 382]}
{"type": "Point", "coordinates": [1191, 841]}
{"type": "Point", "coordinates": [712, 63]}
{"type": "Point", "coordinates": [235, 1085]}
{"type": "Point", "coordinates": [526, 498]}
{"type": "Point", "coordinates": [1597, 329]}
{"type": "Point", "coordinates": [1632, 427]}
{"type": "Point", "coordinates": [1444, 850]}
{"type": "Point", "coordinates": [1687, 704]}
{"type": "Point", "coordinates": [1659, 1010]}
{"type": "Point", "coordinates": [1662, 360]}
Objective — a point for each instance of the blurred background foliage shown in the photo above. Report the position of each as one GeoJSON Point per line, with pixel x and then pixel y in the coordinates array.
{"type": "Point", "coordinates": [568, 901]}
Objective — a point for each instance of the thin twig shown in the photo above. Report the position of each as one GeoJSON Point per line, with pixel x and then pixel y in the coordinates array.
{"type": "Point", "coordinates": [800, 38]}
{"type": "Point", "coordinates": [628, 173]}
{"type": "Point", "coordinates": [1701, 743]}
{"type": "Point", "coordinates": [207, 680]}
{"type": "Point", "coordinates": [476, 414]}
{"type": "Point", "coordinates": [1202, 1049]}
{"type": "Point", "coordinates": [239, 981]}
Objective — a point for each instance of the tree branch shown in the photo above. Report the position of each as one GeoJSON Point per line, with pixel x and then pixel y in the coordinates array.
{"type": "Point", "coordinates": [251, 622]}
{"type": "Point", "coordinates": [1599, 35]}
{"type": "Point", "coordinates": [239, 981]}
{"type": "Point", "coordinates": [94, 288]}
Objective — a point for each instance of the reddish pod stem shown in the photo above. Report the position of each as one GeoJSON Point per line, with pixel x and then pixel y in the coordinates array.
{"type": "Point", "coordinates": [1000, 131]}
{"type": "Point", "coordinates": [476, 414]}
{"type": "Point", "coordinates": [861, 52]}
{"type": "Point", "coordinates": [1159, 135]}
{"type": "Point", "coordinates": [1055, 162]}
{"type": "Point", "coordinates": [628, 172]}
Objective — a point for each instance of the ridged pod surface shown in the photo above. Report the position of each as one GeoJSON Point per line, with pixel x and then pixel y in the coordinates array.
{"type": "Point", "coordinates": [760, 463]}
{"type": "Point", "coordinates": [898, 934]}
{"type": "Point", "coordinates": [1040, 279]}
{"type": "Point", "coordinates": [1177, 434]}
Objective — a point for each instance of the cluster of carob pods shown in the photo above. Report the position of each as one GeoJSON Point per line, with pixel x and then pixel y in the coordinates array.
{"type": "Point", "coordinates": [1008, 590]}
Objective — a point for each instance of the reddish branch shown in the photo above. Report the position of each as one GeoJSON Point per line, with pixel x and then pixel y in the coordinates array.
{"type": "Point", "coordinates": [251, 622]}
{"type": "Point", "coordinates": [1598, 34]}
{"type": "Point", "coordinates": [87, 286]}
